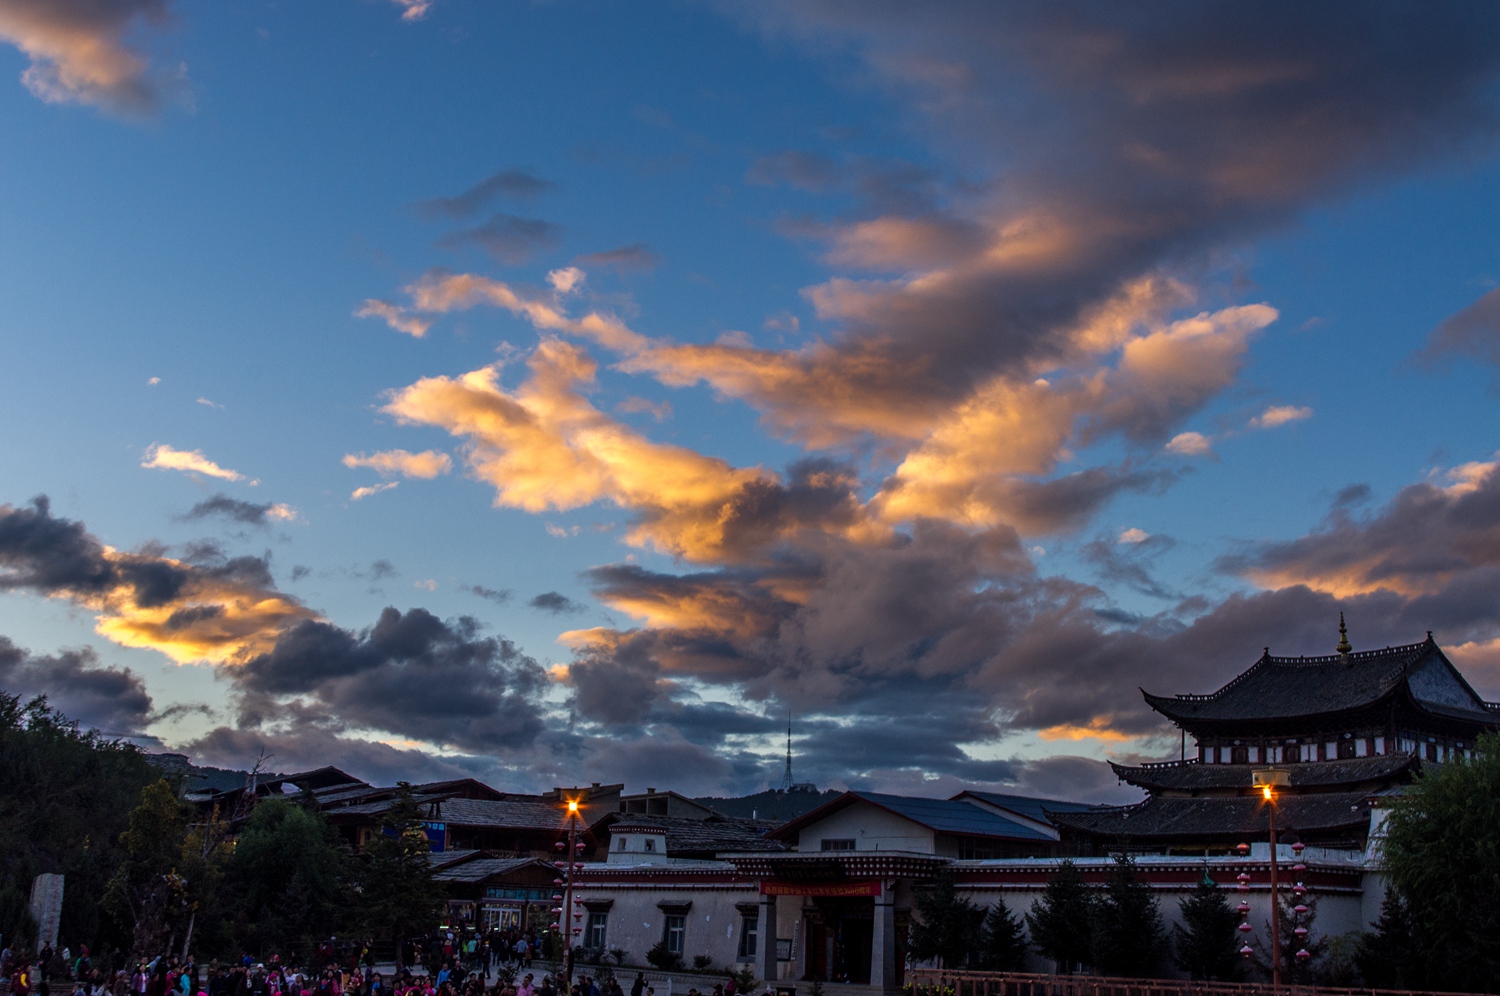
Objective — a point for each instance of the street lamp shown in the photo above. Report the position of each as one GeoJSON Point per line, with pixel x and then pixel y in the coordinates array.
{"type": "Point", "coordinates": [564, 916]}
{"type": "Point", "coordinates": [1268, 780]}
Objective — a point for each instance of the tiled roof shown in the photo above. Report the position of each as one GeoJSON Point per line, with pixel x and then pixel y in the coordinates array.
{"type": "Point", "coordinates": [1183, 817]}
{"type": "Point", "coordinates": [1193, 776]}
{"type": "Point", "coordinates": [520, 814]}
{"type": "Point", "coordinates": [1289, 687]}
{"type": "Point", "coordinates": [953, 816]}
{"type": "Point", "coordinates": [686, 836]}
{"type": "Point", "coordinates": [482, 868]}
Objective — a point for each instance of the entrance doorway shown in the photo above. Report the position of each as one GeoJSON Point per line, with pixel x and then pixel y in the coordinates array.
{"type": "Point", "coordinates": [840, 936]}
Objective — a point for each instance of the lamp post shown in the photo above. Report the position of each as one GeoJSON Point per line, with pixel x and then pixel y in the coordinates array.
{"type": "Point", "coordinates": [1268, 780]}
{"type": "Point", "coordinates": [565, 915]}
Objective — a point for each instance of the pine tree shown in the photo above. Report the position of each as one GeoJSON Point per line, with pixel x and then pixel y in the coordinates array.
{"type": "Point", "coordinates": [1062, 921]}
{"type": "Point", "coordinates": [945, 927]}
{"type": "Point", "coordinates": [1130, 937]}
{"type": "Point", "coordinates": [1207, 939]}
{"type": "Point", "coordinates": [1294, 971]}
{"type": "Point", "coordinates": [1002, 944]}
{"type": "Point", "coordinates": [398, 898]}
{"type": "Point", "coordinates": [1390, 958]}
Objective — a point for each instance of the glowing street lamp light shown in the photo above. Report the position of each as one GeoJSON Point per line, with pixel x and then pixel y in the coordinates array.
{"type": "Point", "coordinates": [568, 867]}
{"type": "Point", "coordinates": [1268, 780]}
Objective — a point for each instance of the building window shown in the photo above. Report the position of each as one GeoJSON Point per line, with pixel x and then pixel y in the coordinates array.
{"type": "Point", "coordinates": [594, 935]}
{"type": "Point", "coordinates": [1346, 749]}
{"type": "Point", "coordinates": [672, 933]}
{"type": "Point", "coordinates": [1239, 755]}
{"type": "Point", "coordinates": [1291, 754]}
{"type": "Point", "coordinates": [749, 933]}
{"type": "Point", "coordinates": [650, 844]}
{"type": "Point", "coordinates": [623, 842]}
{"type": "Point", "coordinates": [1432, 752]}
{"type": "Point", "coordinates": [841, 844]}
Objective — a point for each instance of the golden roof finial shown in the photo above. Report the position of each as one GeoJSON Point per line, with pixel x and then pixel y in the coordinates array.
{"type": "Point", "coordinates": [1343, 647]}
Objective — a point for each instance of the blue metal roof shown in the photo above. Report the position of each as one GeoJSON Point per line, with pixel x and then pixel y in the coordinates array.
{"type": "Point", "coordinates": [953, 816]}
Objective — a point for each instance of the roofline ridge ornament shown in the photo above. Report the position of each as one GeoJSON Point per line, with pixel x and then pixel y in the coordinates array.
{"type": "Point", "coordinates": [1343, 648]}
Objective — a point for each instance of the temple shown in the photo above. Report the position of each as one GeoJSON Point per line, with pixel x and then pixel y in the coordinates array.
{"type": "Point", "coordinates": [1348, 727]}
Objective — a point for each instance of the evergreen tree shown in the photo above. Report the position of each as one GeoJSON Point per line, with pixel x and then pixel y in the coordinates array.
{"type": "Point", "coordinates": [1442, 854]}
{"type": "Point", "coordinates": [65, 798]}
{"type": "Point", "coordinates": [1062, 921]}
{"type": "Point", "coordinates": [1390, 958]}
{"type": "Point", "coordinates": [1002, 943]}
{"type": "Point", "coordinates": [945, 927]}
{"type": "Point", "coordinates": [1207, 939]}
{"type": "Point", "coordinates": [148, 890]}
{"type": "Point", "coordinates": [1294, 971]}
{"type": "Point", "coordinates": [1129, 937]}
{"type": "Point", "coordinates": [397, 895]}
{"type": "Point", "coordinates": [290, 876]}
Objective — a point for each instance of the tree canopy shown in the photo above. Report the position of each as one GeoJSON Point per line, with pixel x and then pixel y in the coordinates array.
{"type": "Point", "coordinates": [1442, 856]}
{"type": "Point", "coordinates": [1062, 920]}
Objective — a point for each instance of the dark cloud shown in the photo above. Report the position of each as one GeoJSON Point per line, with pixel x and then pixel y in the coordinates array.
{"type": "Point", "coordinates": [111, 700]}
{"type": "Point", "coordinates": [382, 569]}
{"type": "Point", "coordinates": [555, 602]}
{"type": "Point", "coordinates": [249, 513]}
{"type": "Point", "coordinates": [637, 256]}
{"type": "Point", "coordinates": [508, 183]}
{"type": "Point", "coordinates": [498, 596]}
{"type": "Point", "coordinates": [50, 555]}
{"type": "Point", "coordinates": [1473, 332]}
{"type": "Point", "coordinates": [803, 170]}
{"type": "Point", "coordinates": [411, 674]}
{"type": "Point", "coordinates": [1127, 563]}
{"type": "Point", "coordinates": [506, 237]}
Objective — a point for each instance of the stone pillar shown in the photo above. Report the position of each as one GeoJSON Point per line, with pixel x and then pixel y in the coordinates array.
{"type": "Point", "coordinates": [766, 951]}
{"type": "Point", "coordinates": [883, 940]}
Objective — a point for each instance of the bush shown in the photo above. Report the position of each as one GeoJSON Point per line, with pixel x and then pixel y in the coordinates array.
{"type": "Point", "coordinates": [744, 978]}
{"type": "Point", "coordinates": [662, 958]}
{"type": "Point", "coordinates": [702, 963]}
{"type": "Point", "coordinates": [619, 955]}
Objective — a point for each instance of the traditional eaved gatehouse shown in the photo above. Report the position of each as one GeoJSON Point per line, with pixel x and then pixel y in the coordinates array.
{"type": "Point", "coordinates": [1347, 726]}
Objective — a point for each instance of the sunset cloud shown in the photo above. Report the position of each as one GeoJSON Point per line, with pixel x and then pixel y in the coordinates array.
{"type": "Point", "coordinates": [396, 317]}
{"type": "Point", "coordinates": [1190, 444]}
{"type": "Point", "coordinates": [426, 465]}
{"type": "Point", "coordinates": [78, 51]}
{"type": "Point", "coordinates": [360, 494]}
{"type": "Point", "coordinates": [160, 456]}
{"type": "Point", "coordinates": [1278, 415]}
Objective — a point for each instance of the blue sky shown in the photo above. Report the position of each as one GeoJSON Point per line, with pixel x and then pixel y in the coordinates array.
{"type": "Point", "coordinates": [940, 377]}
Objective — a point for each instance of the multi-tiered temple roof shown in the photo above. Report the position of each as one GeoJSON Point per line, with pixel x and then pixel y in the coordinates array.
{"type": "Point", "coordinates": [1346, 727]}
{"type": "Point", "coordinates": [1283, 690]}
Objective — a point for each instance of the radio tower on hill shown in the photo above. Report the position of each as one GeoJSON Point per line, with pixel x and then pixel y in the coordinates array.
{"type": "Point", "coordinates": [786, 779]}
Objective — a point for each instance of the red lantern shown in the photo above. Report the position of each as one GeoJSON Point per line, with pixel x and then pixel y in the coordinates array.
{"type": "Point", "coordinates": [1303, 955]}
{"type": "Point", "coordinates": [1300, 910]}
{"type": "Point", "coordinates": [1245, 928]}
{"type": "Point", "coordinates": [1244, 849]}
{"type": "Point", "coordinates": [1247, 951]}
{"type": "Point", "coordinates": [1244, 909]}
{"type": "Point", "coordinates": [557, 897]}
{"type": "Point", "coordinates": [556, 910]}
{"type": "Point", "coordinates": [555, 927]}
{"type": "Point", "coordinates": [1301, 933]}
{"type": "Point", "coordinates": [1297, 848]}
{"type": "Point", "coordinates": [1299, 889]}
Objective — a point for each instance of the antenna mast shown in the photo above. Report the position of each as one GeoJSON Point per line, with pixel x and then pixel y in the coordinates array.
{"type": "Point", "coordinates": [786, 779]}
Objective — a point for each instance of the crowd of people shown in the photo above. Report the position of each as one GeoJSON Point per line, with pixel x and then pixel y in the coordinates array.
{"type": "Point", "coordinates": [451, 963]}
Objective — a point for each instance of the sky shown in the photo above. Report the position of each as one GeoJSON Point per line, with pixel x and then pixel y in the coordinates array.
{"type": "Point", "coordinates": [557, 392]}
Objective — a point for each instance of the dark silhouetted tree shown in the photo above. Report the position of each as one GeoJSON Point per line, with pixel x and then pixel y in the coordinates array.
{"type": "Point", "coordinates": [1391, 957]}
{"type": "Point", "coordinates": [1129, 938]}
{"type": "Point", "coordinates": [1002, 940]}
{"type": "Point", "coordinates": [1062, 921]}
{"type": "Point", "coordinates": [1442, 855]}
{"type": "Point", "coordinates": [398, 898]}
{"type": "Point", "coordinates": [1206, 942]}
{"type": "Point", "coordinates": [945, 927]}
